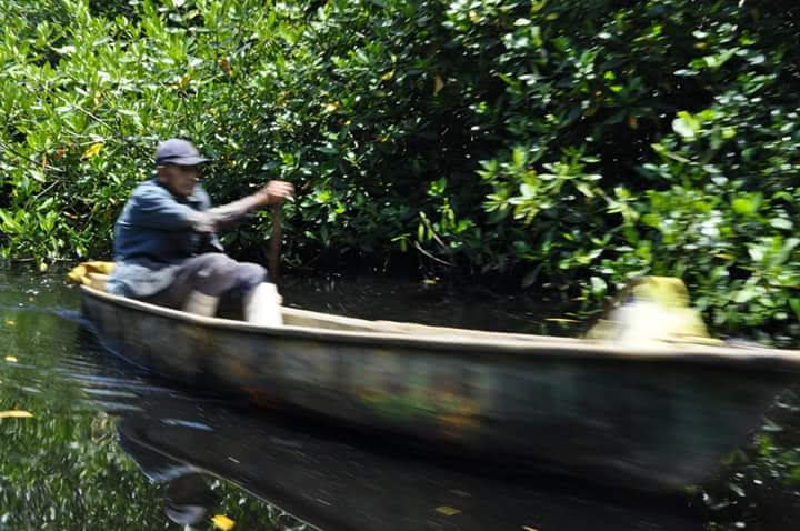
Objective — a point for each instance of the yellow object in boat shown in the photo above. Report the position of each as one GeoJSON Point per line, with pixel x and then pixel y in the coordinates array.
{"type": "Point", "coordinates": [659, 310]}
{"type": "Point", "coordinates": [80, 273]}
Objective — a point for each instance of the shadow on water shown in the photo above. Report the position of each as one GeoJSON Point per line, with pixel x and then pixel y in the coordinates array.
{"type": "Point", "coordinates": [109, 447]}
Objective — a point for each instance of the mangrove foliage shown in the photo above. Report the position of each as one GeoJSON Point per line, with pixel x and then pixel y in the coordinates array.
{"type": "Point", "coordinates": [567, 145]}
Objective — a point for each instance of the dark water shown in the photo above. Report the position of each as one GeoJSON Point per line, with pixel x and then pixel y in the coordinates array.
{"type": "Point", "coordinates": [107, 447]}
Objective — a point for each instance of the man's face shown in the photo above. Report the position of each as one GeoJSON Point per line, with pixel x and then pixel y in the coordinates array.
{"type": "Point", "coordinates": [181, 180]}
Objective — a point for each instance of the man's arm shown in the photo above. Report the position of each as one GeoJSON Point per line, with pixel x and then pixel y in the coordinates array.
{"type": "Point", "coordinates": [233, 211]}
{"type": "Point", "coordinates": [156, 208]}
{"type": "Point", "coordinates": [274, 192]}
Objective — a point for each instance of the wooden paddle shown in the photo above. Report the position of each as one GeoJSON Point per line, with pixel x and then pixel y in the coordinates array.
{"type": "Point", "coordinates": [274, 257]}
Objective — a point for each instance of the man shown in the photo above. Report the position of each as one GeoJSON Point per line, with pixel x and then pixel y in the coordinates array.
{"type": "Point", "coordinates": [166, 248]}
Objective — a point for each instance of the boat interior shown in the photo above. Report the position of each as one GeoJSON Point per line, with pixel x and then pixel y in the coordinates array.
{"type": "Point", "coordinates": [231, 309]}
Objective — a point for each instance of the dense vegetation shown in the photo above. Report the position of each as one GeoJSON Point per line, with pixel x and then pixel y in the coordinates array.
{"type": "Point", "coordinates": [569, 145]}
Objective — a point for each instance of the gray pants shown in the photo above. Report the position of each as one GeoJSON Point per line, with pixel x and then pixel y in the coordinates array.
{"type": "Point", "coordinates": [213, 274]}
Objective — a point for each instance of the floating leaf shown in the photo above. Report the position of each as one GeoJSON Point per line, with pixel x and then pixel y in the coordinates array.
{"type": "Point", "coordinates": [221, 521]}
{"type": "Point", "coordinates": [11, 359]}
{"type": "Point", "coordinates": [93, 150]}
{"type": "Point", "coordinates": [15, 414]}
{"type": "Point", "coordinates": [447, 511]}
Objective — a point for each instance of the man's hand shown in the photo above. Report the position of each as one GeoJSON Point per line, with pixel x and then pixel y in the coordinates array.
{"type": "Point", "coordinates": [274, 192]}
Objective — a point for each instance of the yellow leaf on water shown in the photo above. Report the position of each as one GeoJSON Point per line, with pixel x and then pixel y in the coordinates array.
{"type": "Point", "coordinates": [447, 511]}
{"type": "Point", "coordinates": [93, 150]}
{"type": "Point", "coordinates": [11, 359]}
{"type": "Point", "coordinates": [221, 521]}
{"type": "Point", "coordinates": [9, 322]}
{"type": "Point", "coordinates": [15, 414]}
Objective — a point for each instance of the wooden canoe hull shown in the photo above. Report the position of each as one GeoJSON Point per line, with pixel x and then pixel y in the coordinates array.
{"type": "Point", "coordinates": [663, 421]}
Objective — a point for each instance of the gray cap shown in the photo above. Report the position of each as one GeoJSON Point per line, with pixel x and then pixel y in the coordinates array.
{"type": "Point", "coordinates": [179, 152]}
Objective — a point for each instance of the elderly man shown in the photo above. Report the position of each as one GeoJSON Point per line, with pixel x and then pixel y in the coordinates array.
{"type": "Point", "coordinates": [167, 250]}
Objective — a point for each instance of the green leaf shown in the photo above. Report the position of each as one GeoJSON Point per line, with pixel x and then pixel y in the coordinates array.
{"type": "Point", "coordinates": [686, 125]}
{"type": "Point", "coordinates": [530, 277]}
{"type": "Point", "coordinates": [599, 286]}
{"type": "Point", "coordinates": [747, 205]}
{"type": "Point", "coordinates": [781, 223]}
{"type": "Point", "coordinates": [527, 190]}
{"type": "Point", "coordinates": [794, 304]}
{"type": "Point", "coordinates": [745, 295]}
{"type": "Point", "coordinates": [585, 189]}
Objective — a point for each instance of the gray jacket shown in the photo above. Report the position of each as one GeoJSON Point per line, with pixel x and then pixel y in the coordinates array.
{"type": "Point", "coordinates": [157, 231]}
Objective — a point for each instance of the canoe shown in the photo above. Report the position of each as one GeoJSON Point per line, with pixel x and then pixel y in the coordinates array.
{"type": "Point", "coordinates": [654, 415]}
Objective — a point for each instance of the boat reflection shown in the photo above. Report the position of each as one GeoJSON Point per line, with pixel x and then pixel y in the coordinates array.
{"type": "Point", "coordinates": [335, 483]}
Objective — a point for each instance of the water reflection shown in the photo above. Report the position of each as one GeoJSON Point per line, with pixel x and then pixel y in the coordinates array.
{"type": "Point", "coordinates": [334, 483]}
{"type": "Point", "coordinates": [110, 448]}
